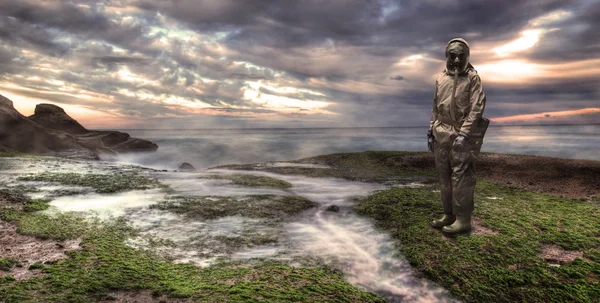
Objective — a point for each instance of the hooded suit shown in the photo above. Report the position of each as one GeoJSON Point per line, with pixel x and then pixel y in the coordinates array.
{"type": "Point", "coordinates": [458, 102]}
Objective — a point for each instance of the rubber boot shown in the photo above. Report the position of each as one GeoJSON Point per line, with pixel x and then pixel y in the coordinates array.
{"type": "Point", "coordinates": [461, 225]}
{"type": "Point", "coordinates": [446, 219]}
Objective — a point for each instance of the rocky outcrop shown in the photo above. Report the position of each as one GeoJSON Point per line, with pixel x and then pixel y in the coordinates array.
{"type": "Point", "coordinates": [52, 131]}
{"type": "Point", "coordinates": [186, 167]}
{"type": "Point", "coordinates": [333, 208]}
{"type": "Point", "coordinates": [54, 117]}
{"type": "Point", "coordinates": [19, 133]}
{"type": "Point", "coordinates": [114, 142]}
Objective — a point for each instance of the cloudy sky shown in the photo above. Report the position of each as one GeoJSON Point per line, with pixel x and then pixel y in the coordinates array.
{"type": "Point", "coordinates": [303, 63]}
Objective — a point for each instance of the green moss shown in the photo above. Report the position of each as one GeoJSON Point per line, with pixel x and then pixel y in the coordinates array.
{"type": "Point", "coordinates": [101, 183]}
{"type": "Point", "coordinates": [7, 264]}
{"type": "Point", "coordinates": [248, 240]}
{"type": "Point", "coordinates": [503, 267]}
{"type": "Point", "coordinates": [6, 280]}
{"type": "Point", "coordinates": [59, 226]}
{"type": "Point", "coordinates": [6, 153]}
{"type": "Point", "coordinates": [36, 204]}
{"type": "Point", "coordinates": [105, 265]}
{"type": "Point", "coordinates": [369, 166]}
{"type": "Point", "coordinates": [251, 180]}
{"type": "Point", "coordinates": [36, 266]}
{"type": "Point", "coordinates": [12, 195]}
{"type": "Point", "coordinates": [24, 188]}
{"type": "Point", "coordinates": [255, 206]}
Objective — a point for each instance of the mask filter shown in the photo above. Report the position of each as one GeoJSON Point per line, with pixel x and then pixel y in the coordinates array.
{"type": "Point", "coordinates": [457, 57]}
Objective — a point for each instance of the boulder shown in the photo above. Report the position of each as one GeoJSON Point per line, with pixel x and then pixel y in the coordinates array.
{"type": "Point", "coordinates": [54, 117]}
{"type": "Point", "coordinates": [116, 142]}
{"type": "Point", "coordinates": [186, 166]}
{"type": "Point", "coordinates": [114, 137]}
{"type": "Point", "coordinates": [135, 145]}
{"type": "Point", "coordinates": [333, 208]}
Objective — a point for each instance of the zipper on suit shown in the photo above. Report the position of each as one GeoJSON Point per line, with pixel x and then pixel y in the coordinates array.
{"type": "Point", "coordinates": [453, 100]}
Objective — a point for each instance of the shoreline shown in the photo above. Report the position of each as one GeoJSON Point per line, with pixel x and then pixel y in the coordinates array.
{"type": "Point", "coordinates": [570, 178]}
{"type": "Point", "coordinates": [516, 233]}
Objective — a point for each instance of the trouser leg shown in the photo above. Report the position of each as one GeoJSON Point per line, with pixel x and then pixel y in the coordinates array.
{"type": "Point", "coordinates": [463, 182]}
{"type": "Point", "coordinates": [444, 171]}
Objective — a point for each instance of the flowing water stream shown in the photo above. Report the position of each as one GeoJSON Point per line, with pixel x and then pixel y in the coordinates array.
{"type": "Point", "coordinates": [341, 239]}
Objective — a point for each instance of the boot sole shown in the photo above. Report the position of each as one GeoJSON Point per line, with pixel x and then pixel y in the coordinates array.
{"type": "Point", "coordinates": [439, 226]}
{"type": "Point", "coordinates": [450, 233]}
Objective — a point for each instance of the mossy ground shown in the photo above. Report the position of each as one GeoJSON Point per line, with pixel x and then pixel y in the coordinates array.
{"type": "Point", "coordinates": [36, 204]}
{"type": "Point", "coordinates": [370, 166]}
{"type": "Point", "coordinates": [253, 206]}
{"type": "Point", "coordinates": [7, 264]}
{"type": "Point", "coordinates": [251, 180]}
{"type": "Point", "coordinates": [105, 264]}
{"type": "Point", "coordinates": [502, 267]}
{"type": "Point", "coordinates": [6, 153]}
{"type": "Point", "coordinates": [101, 183]}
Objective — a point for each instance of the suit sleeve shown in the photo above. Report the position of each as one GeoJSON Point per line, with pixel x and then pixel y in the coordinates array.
{"type": "Point", "coordinates": [434, 110]}
{"type": "Point", "coordinates": [477, 105]}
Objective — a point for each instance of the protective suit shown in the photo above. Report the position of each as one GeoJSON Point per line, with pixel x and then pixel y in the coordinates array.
{"type": "Point", "coordinates": [458, 103]}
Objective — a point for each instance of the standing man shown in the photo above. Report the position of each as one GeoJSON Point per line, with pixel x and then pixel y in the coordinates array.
{"type": "Point", "coordinates": [458, 103]}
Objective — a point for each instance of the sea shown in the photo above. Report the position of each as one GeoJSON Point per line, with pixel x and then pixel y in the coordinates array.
{"type": "Point", "coordinates": [205, 148]}
{"type": "Point", "coordinates": [366, 255]}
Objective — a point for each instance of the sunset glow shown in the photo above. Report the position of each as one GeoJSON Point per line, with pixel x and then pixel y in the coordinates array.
{"type": "Point", "coordinates": [152, 64]}
{"type": "Point", "coordinates": [545, 115]}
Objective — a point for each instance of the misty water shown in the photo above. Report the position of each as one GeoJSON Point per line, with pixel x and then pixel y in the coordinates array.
{"type": "Point", "coordinates": [205, 148]}
{"type": "Point", "coordinates": [341, 239]}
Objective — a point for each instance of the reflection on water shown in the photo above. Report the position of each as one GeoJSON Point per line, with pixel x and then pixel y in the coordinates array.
{"type": "Point", "coordinates": [205, 148]}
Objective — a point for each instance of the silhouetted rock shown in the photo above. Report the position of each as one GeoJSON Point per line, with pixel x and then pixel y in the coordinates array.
{"type": "Point", "coordinates": [51, 131]}
{"type": "Point", "coordinates": [54, 117]}
{"type": "Point", "coordinates": [21, 134]}
{"type": "Point", "coordinates": [333, 208]}
{"type": "Point", "coordinates": [186, 166]}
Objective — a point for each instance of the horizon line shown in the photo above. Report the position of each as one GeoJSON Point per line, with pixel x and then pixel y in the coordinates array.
{"type": "Point", "coordinates": [338, 127]}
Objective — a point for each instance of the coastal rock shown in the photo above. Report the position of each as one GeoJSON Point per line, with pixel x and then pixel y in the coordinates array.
{"type": "Point", "coordinates": [333, 208]}
{"type": "Point", "coordinates": [186, 166]}
{"type": "Point", "coordinates": [135, 145]}
{"type": "Point", "coordinates": [114, 137]}
{"type": "Point", "coordinates": [19, 133]}
{"type": "Point", "coordinates": [54, 117]}
{"type": "Point", "coordinates": [51, 131]}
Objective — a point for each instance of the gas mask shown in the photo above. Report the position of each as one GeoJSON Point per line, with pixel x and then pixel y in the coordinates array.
{"type": "Point", "coordinates": [457, 56]}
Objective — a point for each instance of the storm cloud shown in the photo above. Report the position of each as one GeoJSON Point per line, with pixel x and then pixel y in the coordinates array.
{"type": "Point", "coordinates": [274, 63]}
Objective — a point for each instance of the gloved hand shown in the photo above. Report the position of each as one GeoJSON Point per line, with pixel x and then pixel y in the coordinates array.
{"type": "Point", "coordinates": [430, 139]}
{"type": "Point", "coordinates": [460, 143]}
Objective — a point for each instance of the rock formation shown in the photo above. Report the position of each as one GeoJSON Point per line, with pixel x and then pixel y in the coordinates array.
{"type": "Point", "coordinates": [54, 117]}
{"type": "Point", "coordinates": [186, 167]}
{"type": "Point", "coordinates": [50, 130]}
{"type": "Point", "coordinates": [19, 133]}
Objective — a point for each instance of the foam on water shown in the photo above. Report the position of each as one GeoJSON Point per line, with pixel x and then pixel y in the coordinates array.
{"type": "Point", "coordinates": [342, 239]}
{"type": "Point", "coordinates": [108, 204]}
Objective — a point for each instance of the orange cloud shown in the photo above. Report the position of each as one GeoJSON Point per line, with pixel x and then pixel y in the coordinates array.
{"type": "Point", "coordinates": [531, 117]}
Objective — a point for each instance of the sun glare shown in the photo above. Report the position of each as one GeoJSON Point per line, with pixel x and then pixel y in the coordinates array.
{"type": "Point", "coordinates": [509, 70]}
{"type": "Point", "coordinates": [528, 39]}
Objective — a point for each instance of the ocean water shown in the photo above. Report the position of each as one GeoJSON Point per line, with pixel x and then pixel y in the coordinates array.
{"type": "Point", "coordinates": [366, 255]}
{"type": "Point", "coordinates": [210, 147]}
